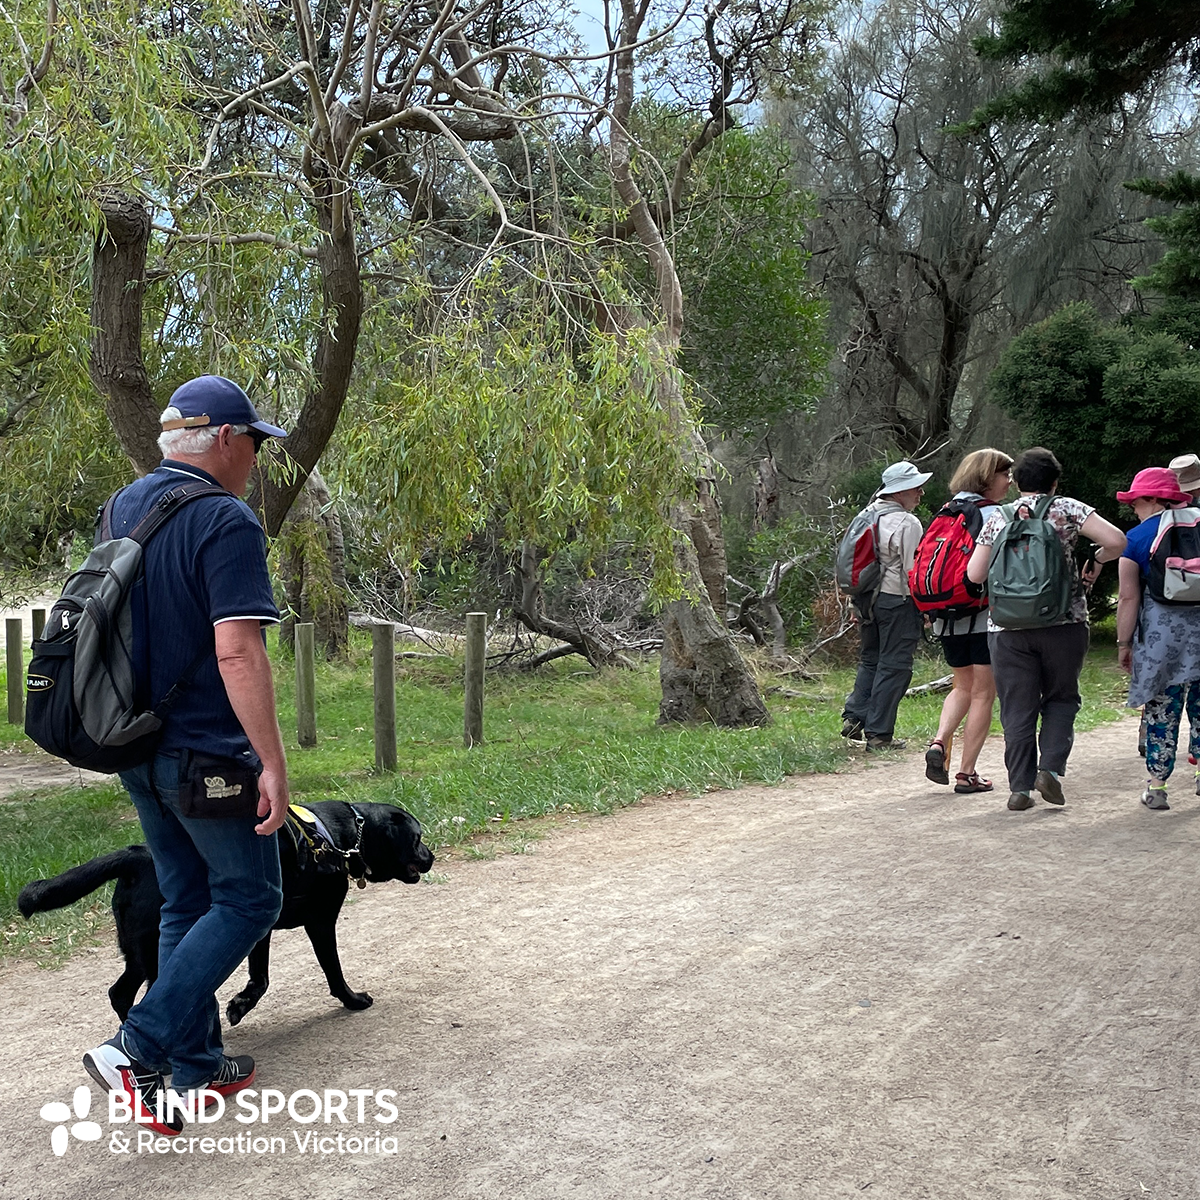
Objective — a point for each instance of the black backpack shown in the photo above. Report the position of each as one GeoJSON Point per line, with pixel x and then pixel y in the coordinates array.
{"type": "Point", "coordinates": [80, 688]}
{"type": "Point", "coordinates": [1174, 576]}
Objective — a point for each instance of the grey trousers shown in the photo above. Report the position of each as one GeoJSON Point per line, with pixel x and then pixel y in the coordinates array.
{"type": "Point", "coordinates": [1037, 676]}
{"type": "Point", "coordinates": [885, 663]}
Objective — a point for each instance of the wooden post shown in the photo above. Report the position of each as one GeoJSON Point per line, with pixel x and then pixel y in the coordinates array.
{"type": "Point", "coordinates": [473, 689]}
{"type": "Point", "coordinates": [306, 685]}
{"type": "Point", "coordinates": [383, 648]}
{"type": "Point", "coordinates": [14, 658]}
{"type": "Point", "coordinates": [39, 622]}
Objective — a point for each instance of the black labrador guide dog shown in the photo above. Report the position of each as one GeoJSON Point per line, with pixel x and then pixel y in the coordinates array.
{"type": "Point", "coordinates": [371, 843]}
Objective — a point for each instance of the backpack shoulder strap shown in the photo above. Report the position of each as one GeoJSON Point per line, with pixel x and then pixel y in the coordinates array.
{"type": "Point", "coordinates": [170, 503]}
{"type": "Point", "coordinates": [103, 527]}
{"type": "Point", "coordinates": [1043, 507]}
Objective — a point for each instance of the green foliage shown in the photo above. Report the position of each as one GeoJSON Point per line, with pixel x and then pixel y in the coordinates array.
{"type": "Point", "coordinates": [1177, 274]}
{"type": "Point", "coordinates": [505, 418]}
{"type": "Point", "coordinates": [754, 330]}
{"type": "Point", "coordinates": [1099, 52]}
{"type": "Point", "coordinates": [1107, 400]}
{"type": "Point", "coordinates": [107, 114]}
{"type": "Point", "coordinates": [808, 539]}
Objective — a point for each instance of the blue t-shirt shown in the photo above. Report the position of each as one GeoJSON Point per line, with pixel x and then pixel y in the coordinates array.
{"type": "Point", "coordinates": [206, 564]}
{"type": "Point", "coordinates": [1139, 540]}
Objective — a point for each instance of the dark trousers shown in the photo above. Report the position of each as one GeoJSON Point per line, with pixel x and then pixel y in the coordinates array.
{"type": "Point", "coordinates": [885, 661]}
{"type": "Point", "coordinates": [1037, 676]}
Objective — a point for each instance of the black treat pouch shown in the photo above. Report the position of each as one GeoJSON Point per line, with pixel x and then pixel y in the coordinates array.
{"type": "Point", "coordinates": [213, 786]}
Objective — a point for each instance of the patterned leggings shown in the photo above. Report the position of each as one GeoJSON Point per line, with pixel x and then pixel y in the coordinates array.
{"type": "Point", "coordinates": [1163, 714]}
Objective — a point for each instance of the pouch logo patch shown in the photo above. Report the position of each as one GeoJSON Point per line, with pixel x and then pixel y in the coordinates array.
{"type": "Point", "coordinates": [38, 683]}
{"type": "Point", "coordinates": [215, 787]}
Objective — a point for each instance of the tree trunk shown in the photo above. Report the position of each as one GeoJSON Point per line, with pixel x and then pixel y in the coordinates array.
{"type": "Point", "coordinates": [313, 570]}
{"type": "Point", "coordinates": [337, 341]}
{"type": "Point", "coordinates": [766, 493]}
{"type": "Point", "coordinates": [702, 674]}
{"type": "Point", "coordinates": [117, 367]}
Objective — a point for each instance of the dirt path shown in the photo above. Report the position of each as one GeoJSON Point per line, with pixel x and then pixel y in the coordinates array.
{"type": "Point", "coordinates": [843, 986]}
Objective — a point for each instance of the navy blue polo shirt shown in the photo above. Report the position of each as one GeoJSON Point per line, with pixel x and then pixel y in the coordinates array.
{"type": "Point", "coordinates": [205, 565]}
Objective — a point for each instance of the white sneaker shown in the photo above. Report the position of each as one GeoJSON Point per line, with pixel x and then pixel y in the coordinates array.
{"type": "Point", "coordinates": [1155, 798]}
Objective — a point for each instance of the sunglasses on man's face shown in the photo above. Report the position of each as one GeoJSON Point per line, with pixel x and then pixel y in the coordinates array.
{"type": "Point", "coordinates": [259, 438]}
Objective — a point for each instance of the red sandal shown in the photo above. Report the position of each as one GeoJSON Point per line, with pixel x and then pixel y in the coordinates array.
{"type": "Point", "coordinates": [971, 783]}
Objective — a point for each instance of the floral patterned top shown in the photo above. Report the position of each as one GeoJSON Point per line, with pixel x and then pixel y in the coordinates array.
{"type": "Point", "coordinates": [1066, 515]}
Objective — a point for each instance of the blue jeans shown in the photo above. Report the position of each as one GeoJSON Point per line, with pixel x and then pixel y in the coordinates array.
{"type": "Point", "coordinates": [221, 893]}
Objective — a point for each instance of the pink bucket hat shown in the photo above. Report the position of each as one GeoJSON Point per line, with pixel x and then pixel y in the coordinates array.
{"type": "Point", "coordinates": [1155, 483]}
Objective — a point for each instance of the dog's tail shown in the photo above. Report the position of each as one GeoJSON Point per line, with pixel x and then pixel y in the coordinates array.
{"type": "Point", "coordinates": [42, 895]}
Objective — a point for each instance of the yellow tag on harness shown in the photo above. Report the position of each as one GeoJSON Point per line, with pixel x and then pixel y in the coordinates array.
{"type": "Point", "coordinates": [303, 814]}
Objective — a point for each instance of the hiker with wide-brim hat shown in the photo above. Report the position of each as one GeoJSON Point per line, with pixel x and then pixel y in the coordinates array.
{"type": "Point", "coordinates": [1158, 643]}
{"type": "Point", "coordinates": [890, 626]}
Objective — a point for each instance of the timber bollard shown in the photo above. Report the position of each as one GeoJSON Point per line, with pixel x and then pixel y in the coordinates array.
{"type": "Point", "coordinates": [39, 622]}
{"type": "Point", "coordinates": [383, 653]}
{"type": "Point", "coordinates": [14, 658]}
{"type": "Point", "coordinates": [473, 684]}
{"type": "Point", "coordinates": [306, 685]}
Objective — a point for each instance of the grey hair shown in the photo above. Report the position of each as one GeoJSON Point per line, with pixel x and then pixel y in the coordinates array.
{"type": "Point", "coordinates": [191, 442]}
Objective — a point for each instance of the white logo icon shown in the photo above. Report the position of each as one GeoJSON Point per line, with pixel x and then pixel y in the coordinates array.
{"type": "Point", "coordinates": [85, 1131]}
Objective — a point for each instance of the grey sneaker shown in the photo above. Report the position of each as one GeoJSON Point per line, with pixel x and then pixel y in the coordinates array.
{"type": "Point", "coordinates": [1155, 798]}
{"type": "Point", "coordinates": [1019, 801]}
{"type": "Point", "coordinates": [882, 743]}
{"type": "Point", "coordinates": [1050, 788]}
{"type": "Point", "coordinates": [851, 728]}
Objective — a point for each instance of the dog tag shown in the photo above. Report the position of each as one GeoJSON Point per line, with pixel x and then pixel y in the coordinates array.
{"type": "Point", "coordinates": [361, 881]}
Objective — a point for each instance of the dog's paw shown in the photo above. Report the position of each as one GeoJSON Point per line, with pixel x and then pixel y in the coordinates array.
{"type": "Point", "coordinates": [237, 1008]}
{"type": "Point", "coordinates": [357, 1001]}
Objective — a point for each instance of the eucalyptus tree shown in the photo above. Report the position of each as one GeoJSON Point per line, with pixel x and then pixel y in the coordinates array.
{"type": "Point", "coordinates": [936, 246]}
{"type": "Point", "coordinates": [312, 161]}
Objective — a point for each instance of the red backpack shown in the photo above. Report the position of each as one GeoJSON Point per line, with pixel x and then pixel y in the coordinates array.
{"type": "Point", "coordinates": [938, 579]}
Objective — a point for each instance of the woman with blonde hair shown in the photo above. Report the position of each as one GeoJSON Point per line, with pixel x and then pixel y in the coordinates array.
{"type": "Point", "coordinates": [978, 488]}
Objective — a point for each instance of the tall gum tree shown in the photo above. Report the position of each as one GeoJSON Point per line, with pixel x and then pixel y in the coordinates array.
{"type": "Point", "coordinates": [703, 675]}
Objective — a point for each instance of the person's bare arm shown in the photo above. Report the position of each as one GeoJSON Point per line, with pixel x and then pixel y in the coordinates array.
{"type": "Point", "coordinates": [1109, 539]}
{"type": "Point", "coordinates": [1129, 600]}
{"type": "Point", "coordinates": [978, 563]}
{"type": "Point", "coordinates": [246, 673]}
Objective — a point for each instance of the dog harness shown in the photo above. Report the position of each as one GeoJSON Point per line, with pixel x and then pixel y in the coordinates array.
{"type": "Point", "coordinates": [306, 827]}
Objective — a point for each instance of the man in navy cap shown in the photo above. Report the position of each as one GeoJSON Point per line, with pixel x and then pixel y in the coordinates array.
{"type": "Point", "coordinates": [215, 793]}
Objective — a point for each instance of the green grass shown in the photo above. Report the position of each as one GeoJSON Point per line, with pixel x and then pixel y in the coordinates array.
{"type": "Point", "coordinates": [562, 741]}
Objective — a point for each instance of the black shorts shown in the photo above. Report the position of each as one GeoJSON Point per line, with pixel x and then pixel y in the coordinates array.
{"type": "Point", "coordinates": [967, 650]}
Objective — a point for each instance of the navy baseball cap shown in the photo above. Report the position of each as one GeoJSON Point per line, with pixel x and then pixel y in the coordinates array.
{"type": "Point", "coordinates": [215, 400]}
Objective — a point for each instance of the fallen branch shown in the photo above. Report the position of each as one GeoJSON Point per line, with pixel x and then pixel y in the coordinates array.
{"type": "Point", "coordinates": [938, 685]}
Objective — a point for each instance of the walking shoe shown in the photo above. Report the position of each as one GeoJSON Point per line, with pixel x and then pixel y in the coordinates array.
{"type": "Point", "coordinates": [1155, 798]}
{"type": "Point", "coordinates": [115, 1070]}
{"type": "Point", "coordinates": [1019, 801]}
{"type": "Point", "coordinates": [966, 782]}
{"type": "Point", "coordinates": [851, 728]}
{"type": "Point", "coordinates": [882, 743]}
{"type": "Point", "coordinates": [235, 1072]}
{"type": "Point", "coordinates": [935, 763]}
{"type": "Point", "coordinates": [1048, 785]}
{"type": "Point", "coordinates": [1198, 783]}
